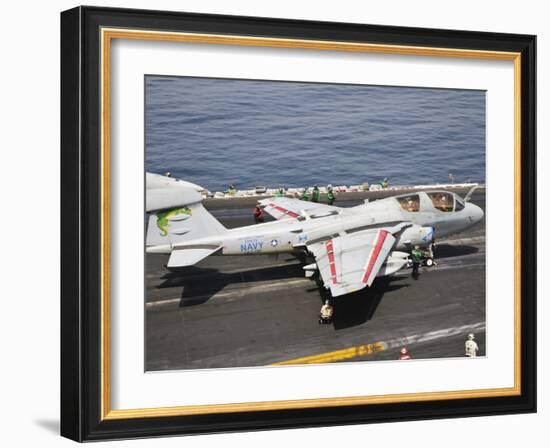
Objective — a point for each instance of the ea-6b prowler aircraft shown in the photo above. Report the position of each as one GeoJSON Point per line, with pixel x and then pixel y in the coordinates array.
{"type": "Point", "coordinates": [352, 246]}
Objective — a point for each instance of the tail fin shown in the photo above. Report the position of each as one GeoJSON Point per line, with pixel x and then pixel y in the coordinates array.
{"type": "Point", "coordinates": [181, 224]}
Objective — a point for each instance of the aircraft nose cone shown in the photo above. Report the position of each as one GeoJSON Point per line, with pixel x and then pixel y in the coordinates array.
{"type": "Point", "coordinates": [475, 213]}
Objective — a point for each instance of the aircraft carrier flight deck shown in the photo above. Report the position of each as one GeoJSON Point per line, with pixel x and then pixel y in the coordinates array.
{"type": "Point", "coordinates": [258, 310]}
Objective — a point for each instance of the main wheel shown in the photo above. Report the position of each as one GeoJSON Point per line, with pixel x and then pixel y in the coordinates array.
{"type": "Point", "coordinates": [429, 262]}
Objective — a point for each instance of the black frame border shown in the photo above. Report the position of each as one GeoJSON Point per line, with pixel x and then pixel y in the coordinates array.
{"type": "Point", "coordinates": [81, 223]}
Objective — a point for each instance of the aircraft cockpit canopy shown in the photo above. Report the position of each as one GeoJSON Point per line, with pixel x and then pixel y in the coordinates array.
{"type": "Point", "coordinates": [442, 200]}
{"type": "Point", "coordinates": [409, 203]}
{"type": "Point", "coordinates": [459, 204]}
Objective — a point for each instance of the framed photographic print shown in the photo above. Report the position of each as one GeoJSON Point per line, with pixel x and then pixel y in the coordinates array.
{"type": "Point", "coordinates": [275, 224]}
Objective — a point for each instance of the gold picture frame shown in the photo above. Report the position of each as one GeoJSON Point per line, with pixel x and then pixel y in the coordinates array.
{"type": "Point", "coordinates": [105, 26]}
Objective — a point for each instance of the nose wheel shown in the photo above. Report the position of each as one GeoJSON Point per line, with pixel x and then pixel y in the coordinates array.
{"type": "Point", "coordinates": [429, 260]}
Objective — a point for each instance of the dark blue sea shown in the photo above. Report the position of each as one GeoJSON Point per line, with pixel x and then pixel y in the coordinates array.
{"type": "Point", "coordinates": [216, 132]}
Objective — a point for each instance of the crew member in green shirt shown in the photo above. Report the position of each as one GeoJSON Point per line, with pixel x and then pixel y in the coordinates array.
{"type": "Point", "coordinates": [315, 194]}
{"type": "Point", "coordinates": [416, 256]}
{"type": "Point", "coordinates": [330, 195]}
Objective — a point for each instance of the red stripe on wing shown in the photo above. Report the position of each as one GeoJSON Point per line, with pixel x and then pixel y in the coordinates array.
{"type": "Point", "coordinates": [375, 252]}
{"type": "Point", "coordinates": [330, 252]}
{"type": "Point", "coordinates": [285, 211]}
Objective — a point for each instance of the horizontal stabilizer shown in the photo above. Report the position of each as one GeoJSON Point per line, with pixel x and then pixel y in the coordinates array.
{"type": "Point", "coordinates": [190, 255]}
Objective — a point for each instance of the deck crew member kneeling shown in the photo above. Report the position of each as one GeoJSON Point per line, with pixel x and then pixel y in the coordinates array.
{"type": "Point", "coordinates": [325, 316]}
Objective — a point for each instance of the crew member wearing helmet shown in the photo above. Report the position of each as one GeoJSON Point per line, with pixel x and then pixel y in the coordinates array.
{"type": "Point", "coordinates": [471, 346]}
{"type": "Point", "coordinates": [404, 354]}
{"type": "Point", "coordinates": [325, 316]}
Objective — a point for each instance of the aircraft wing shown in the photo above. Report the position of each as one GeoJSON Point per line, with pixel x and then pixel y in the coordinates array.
{"type": "Point", "coordinates": [351, 262]}
{"type": "Point", "coordinates": [285, 208]}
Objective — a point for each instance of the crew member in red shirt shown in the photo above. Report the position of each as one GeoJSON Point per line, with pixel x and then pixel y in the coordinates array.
{"type": "Point", "coordinates": [404, 354]}
{"type": "Point", "coordinates": [258, 214]}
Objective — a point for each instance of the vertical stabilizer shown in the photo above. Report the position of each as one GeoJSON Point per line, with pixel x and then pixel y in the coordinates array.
{"type": "Point", "coordinates": [176, 213]}
{"type": "Point", "coordinates": [181, 224]}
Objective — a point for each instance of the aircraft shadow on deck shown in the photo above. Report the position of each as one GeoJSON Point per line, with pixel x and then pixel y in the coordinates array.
{"type": "Point", "coordinates": [450, 250]}
{"type": "Point", "coordinates": [359, 307]}
{"type": "Point", "coordinates": [201, 284]}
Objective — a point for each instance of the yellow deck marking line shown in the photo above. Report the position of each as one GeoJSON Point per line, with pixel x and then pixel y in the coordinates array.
{"type": "Point", "coordinates": [368, 349]}
{"type": "Point", "coordinates": [337, 355]}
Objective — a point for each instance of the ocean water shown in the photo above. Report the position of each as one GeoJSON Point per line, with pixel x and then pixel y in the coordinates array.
{"type": "Point", "coordinates": [216, 132]}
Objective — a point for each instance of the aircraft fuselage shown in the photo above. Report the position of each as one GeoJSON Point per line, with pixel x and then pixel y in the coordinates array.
{"type": "Point", "coordinates": [289, 235]}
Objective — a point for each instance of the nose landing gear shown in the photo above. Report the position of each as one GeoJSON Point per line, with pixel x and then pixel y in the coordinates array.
{"type": "Point", "coordinates": [429, 256]}
{"type": "Point", "coordinates": [421, 258]}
